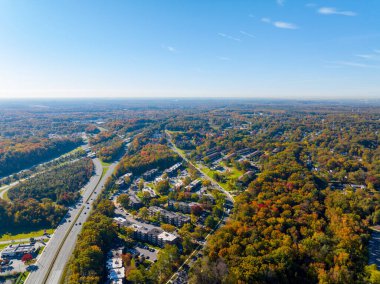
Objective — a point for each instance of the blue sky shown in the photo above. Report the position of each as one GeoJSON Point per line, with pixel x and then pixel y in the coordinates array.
{"type": "Point", "coordinates": [199, 48]}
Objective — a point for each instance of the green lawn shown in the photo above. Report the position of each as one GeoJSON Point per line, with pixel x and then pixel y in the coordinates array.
{"type": "Point", "coordinates": [5, 197]}
{"type": "Point", "coordinates": [5, 245]}
{"type": "Point", "coordinates": [23, 235]}
{"type": "Point", "coordinates": [234, 173]}
{"type": "Point", "coordinates": [103, 172]}
{"type": "Point", "coordinates": [21, 279]}
{"type": "Point", "coordinates": [182, 152]}
{"type": "Point", "coordinates": [105, 164]}
{"type": "Point", "coordinates": [210, 173]}
{"type": "Point", "coordinates": [178, 149]}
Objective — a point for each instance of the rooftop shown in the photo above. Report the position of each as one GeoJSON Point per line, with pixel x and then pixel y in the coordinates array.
{"type": "Point", "coordinates": [167, 237]}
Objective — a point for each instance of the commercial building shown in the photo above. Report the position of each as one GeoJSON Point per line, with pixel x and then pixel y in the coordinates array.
{"type": "Point", "coordinates": [17, 251]}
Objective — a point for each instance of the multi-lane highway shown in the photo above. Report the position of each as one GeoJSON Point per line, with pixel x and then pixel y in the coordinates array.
{"type": "Point", "coordinates": [52, 261]}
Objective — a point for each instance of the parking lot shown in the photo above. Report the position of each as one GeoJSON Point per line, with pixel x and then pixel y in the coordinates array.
{"type": "Point", "coordinates": [14, 266]}
{"type": "Point", "coordinates": [143, 250]}
{"type": "Point", "coordinates": [149, 255]}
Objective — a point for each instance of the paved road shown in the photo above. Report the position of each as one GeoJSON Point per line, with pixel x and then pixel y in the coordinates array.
{"type": "Point", "coordinates": [40, 238]}
{"type": "Point", "coordinates": [189, 260]}
{"type": "Point", "coordinates": [374, 248]}
{"type": "Point", "coordinates": [56, 254]}
{"type": "Point", "coordinates": [205, 176]}
{"type": "Point", "coordinates": [5, 188]}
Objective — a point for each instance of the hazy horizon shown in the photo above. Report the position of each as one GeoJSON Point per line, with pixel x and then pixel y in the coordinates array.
{"type": "Point", "coordinates": [216, 49]}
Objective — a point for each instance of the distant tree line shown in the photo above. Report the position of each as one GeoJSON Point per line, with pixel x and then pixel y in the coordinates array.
{"type": "Point", "coordinates": [18, 156]}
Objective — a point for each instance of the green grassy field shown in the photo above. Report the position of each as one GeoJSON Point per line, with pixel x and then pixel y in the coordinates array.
{"type": "Point", "coordinates": [2, 246]}
{"type": "Point", "coordinates": [103, 172]}
{"type": "Point", "coordinates": [5, 197]}
{"type": "Point", "coordinates": [17, 235]}
{"type": "Point", "coordinates": [21, 279]}
{"type": "Point", "coordinates": [233, 174]}
{"type": "Point", "coordinates": [105, 164]}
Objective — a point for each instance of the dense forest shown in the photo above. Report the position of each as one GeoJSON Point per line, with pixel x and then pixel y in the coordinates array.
{"type": "Point", "coordinates": [41, 201]}
{"type": "Point", "coordinates": [60, 184]}
{"type": "Point", "coordinates": [288, 229]}
{"type": "Point", "coordinates": [29, 214]}
{"type": "Point", "coordinates": [107, 145]}
{"type": "Point", "coordinates": [149, 157]}
{"type": "Point", "coordinates": [306, 217]}
{"type": "Point", "coordinates": [19, 154]}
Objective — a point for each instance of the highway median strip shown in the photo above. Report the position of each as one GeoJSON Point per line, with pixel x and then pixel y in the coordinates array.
{"type": "Point", "coordinates": [67, 233]}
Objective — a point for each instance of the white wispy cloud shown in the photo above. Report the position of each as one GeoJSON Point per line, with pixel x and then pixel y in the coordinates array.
{"type": "Point", "coordinates": [247, 34]}
{"type": "Point", "coordinates": [229, 37]}
{"type": "Point", "coordinates": [285, 25]}
{"type": "Point", "coordinates": [334, 11]}
{"type": "Point", "coordinates": [280, 2]}
{"type": "Point", "coordinates": [169, 48]}
{"type": "Point", "coordinates": [280, 24]}
{"type": "Point", "coordinates": [354, 64]}
{"type": "Point", "coordinates": [371, 56]}
{"type": "Point", "coordinates": [365, 56]}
